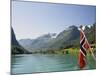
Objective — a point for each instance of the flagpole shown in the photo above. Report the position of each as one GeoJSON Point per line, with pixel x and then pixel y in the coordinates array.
{"type": "Point", "coordinates": [90, 49]}
{"type": "Point", "coordinates": [92, 54]}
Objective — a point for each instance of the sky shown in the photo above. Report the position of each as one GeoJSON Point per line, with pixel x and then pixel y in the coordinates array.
{"type": "Point", "coordinates": [33, 19]}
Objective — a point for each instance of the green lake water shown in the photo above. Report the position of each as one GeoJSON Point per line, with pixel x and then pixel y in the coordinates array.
{"type": "Point", "coordinates": [37, 63]}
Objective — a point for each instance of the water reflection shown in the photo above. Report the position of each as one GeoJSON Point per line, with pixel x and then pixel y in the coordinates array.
{"type": "Point", "coordinates": [33, 63]}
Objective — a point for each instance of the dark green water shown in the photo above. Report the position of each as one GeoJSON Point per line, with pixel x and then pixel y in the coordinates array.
{"type": "Point", "coordinates": [35, 63]}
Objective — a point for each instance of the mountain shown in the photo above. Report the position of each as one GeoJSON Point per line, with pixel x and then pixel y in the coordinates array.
{"type": "Point", "coordinates": [25, 42]}
{"type": "Point", "coordinates": [13, 38]}
{"type": "Point", "coordinates": [65, 39]}
{"type": "Point", "coordinates": [38, 43]}
{"type": "Point", "coordinates": [42, 40]}
{"type": "Point", "coordinates": [69, 37]}
{"type": "Point", "coordinates": [52, 41]}
{"type": "Point", "coordinates": [16, 48]}
{"type": "Point", "coordinates": [90, 33]}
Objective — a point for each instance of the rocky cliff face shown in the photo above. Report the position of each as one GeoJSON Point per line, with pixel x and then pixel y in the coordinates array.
{"type": "Point", "coordinates": [13, 38]}
{"type": "Point", "coordinates": [16, 48]}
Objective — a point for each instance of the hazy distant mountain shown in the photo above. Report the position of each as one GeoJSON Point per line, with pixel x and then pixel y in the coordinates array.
{"type": "Point", "coordinates": [42, 40]}
{"type": "Point", "coordinates": [38, 43]}
{"type": "Point", "coordinates": [25, 42]}
{"type": "Point", "coordinates": [15, 46]}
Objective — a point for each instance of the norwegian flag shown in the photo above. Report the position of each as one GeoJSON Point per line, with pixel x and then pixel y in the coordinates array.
{"type": "Point", "coordinates": [84, 45]}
